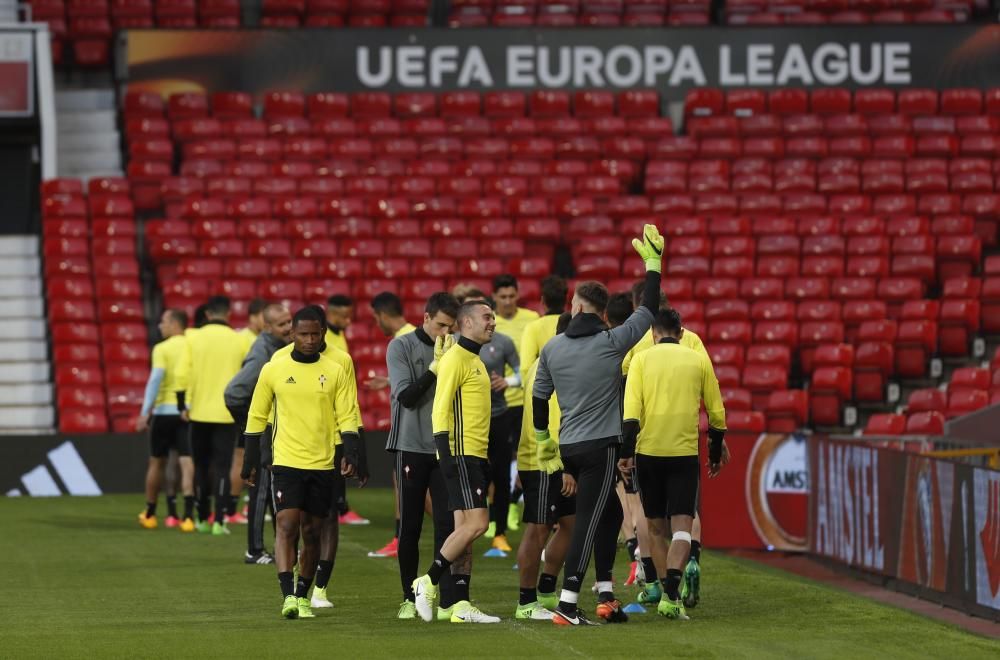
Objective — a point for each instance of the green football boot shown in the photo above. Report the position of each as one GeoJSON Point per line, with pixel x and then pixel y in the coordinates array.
{"type": "Point", "coordinates": [290, 608]}
{"type": "Point", "coordinates": [514, 517]}
{"type": "Point", "coordinates": [672, 609]}
{"type": "Point", "coordinates": [407, 610]}
{"type": "Point", "coordinates": [548, 601]}
{"type": "Point", "coordinates": [305, 609]}
{"type": "Point", "coordinates": [691, 584]}
{"type": "Point", "coordinates": [444, 613]}
{"type": "Point", "coordinates": [651, 594]}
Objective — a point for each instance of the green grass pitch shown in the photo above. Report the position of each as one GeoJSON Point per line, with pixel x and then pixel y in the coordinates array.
{"type": "Point", "coordinates": [81, 579]}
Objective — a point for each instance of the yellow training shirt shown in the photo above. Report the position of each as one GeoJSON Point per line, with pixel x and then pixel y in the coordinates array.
{"type": "Point", "coordinates": [312, 405]}
{"type": "Point", "coordinates": [664, 391]}
{"type": "Point", "coordinates": [343, 360]}
{"type": "Point", "coordinates": [248, 337]}
{"type": "Point", "coordinates": [337, 339]}
{"type": "Point", "coordinates": [405, 330]}
{"type": "Point", "coordinates": [688, 338]}
{"type": "Point", "coordinates": [213, 355]}
{"type": "Point", "coordinates": [462, 400]}
{"type": "Point", "coordinates": [167, 355]}
{"type": "Point", "coordinates": [527, 449]}
{"type": "Point", "coordinates": [536, 334]}
{"type": "Point", "coordinates": [514, 328]}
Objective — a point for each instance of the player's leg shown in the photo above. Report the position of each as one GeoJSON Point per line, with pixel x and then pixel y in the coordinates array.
{"type": "Point", "coordinates": [682, 477]}
{"type": "Point", "coordinates": [628, 531]}
{"type": "Point", "coordinates": [656, 562]}
{"type": "Point", "coordinates": [609, 608]}
{"type": "Point", "coordinates": [154, 480]}
{"type": "Point", "coordinates": [642, 535]}
{"type": "Point", "coordinates": [650, 486]}
{"type": "Point", "coordinates": [236, 484]}
{"type": "Point", "coordinates": [182, 442]}
{"type": "Point", "coordinates": [537, 519]}
{"type": "Point", "coordinates": [691, 587]}
{"type": "Point", "coordinates": [201, 454]}
{"type": "Point", "coordinates": [444, 525]}
{"type": "Point", "coordinates": [499, 466]}
{"type": "Point", "coordinates": [260, 501]}
{"type": "Point", "coordinates": [412, 484]}
{"type": "Point", "coordinates": [329, 538]}
{"type": "Point", "coordinates": [514, 417]}
{"type": "Point", "coordinates": [171, 483]}
{"type": "Point", "coordinates": [391, 549]}
{"type": "Point", "coordinates": [317, 506]}
{"type": "Point", "coordinates": [288, 495]}
{"type": "Point", "coordinates": [223, 440]}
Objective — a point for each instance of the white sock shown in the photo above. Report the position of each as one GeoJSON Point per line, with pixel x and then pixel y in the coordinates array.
{"type": "Point", "coordinates": [605, 587]}
{"type": "Point", "coordinates": [568, 596]}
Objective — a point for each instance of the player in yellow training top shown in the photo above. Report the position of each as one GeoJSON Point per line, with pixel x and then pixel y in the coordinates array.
{"type": "Point", "coordinates": [663, 395]}
{"type": "Point", "coordinates": [312, 402]}
{"type": "Point", "coordinates": [460, 421]}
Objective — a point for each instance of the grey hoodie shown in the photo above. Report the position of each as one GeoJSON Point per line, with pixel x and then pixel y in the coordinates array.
{"type": "Point", "coordinates": [239, 391]}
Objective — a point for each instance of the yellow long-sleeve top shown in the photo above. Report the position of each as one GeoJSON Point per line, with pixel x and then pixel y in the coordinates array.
{"type": "Point", "coordinates": [405, 330]}
{"type": "Point", "coordinates": [345, 362]}
{"type": "Point", "coordinates": [212, 356]}
{"type": "Point", "coordinates": [248, 337]}
{"type": "Point", "coordinates": [167, 355]}
{"type": "Point", "coordinates": [664, 391]}
{"type": "Point", "coordinates": [536, 334]}
{"type": "Point", "coordinates": [688, 338]}
{"type": "Point", "coordinates": [337, 339]}
{"type": "Point", "coordinates": [527, 454]}
{"type": "Point", "coordinates": [462, 400]}
{"type": "Point", "coordinates": [312, 405]}
{"type": "Point", "coordinates": [514, 328]}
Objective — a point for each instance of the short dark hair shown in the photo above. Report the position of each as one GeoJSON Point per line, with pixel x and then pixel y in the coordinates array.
{"type": "Point", "coordinates": [563, 322]}
{"type": "Point", "coordinates": [256, 306]}
{"type": "Point", "coordinates": [465, 309]}
{"type": "Point", "coordinates": [554, 292]}
{"type": "Point", "coordinates": [200, 315]}
{"type": "Point", "coordinates": [179, 316]}
{"type": "Point", "coordinates": [504, 280]}
{"type": "Point", "coordinates": [310, 313]}
{"type": "Point", "coordinates": [473, 294]}
{"type": "Point", "coordinates": [339, 300]}
{"type": "Point", "coordinates": [668, 321]}
{"type": "Point", "coordinates": [443, 302]}
{"type": "Point", "coordinates": [387, 303]}
{"type": "Point", "coordinates": [217, 305]}
{"type": "Point", "coordinates": [637, 290]}
{"type": "Point", "coordinates": [594, 293]}
{"type": "Point", "coordinates": [619, 308]}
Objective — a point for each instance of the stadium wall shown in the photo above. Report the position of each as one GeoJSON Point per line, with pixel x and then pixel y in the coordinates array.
{"type": "Point", "coordinates": [926, 526]}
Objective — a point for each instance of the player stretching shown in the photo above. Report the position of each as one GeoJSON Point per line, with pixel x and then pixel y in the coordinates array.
{"type": "Point", "coordinates": [666, 386]}
{"type": "Point", "coordinates": [584, 366]}
{"type": "Point", "coordinates": [312, 400]}
{"type": "Point", "coordinates": [548, 498]}
{"type": "Point", "coordinates": [413, 361]}
{"type": "Point", "coordinates": [461, 422]}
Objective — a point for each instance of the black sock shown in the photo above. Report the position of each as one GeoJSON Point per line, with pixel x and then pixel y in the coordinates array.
{"type": "Point", "coordinates": [302, 586]}
{"type": "Point", "coordinates": [172, 506]}
{"type": "Point", "coordinates": [605, 597]}
{"type": "Point", "coordinates": [188, 506]}
{"type": "Point", "coordinates": [203, 509]}
{"type": "Point", "coordinates": [461, 586]}
{"type": "Point", "coordinates": [696, 551]}
{"type": "Point", "coordinates": [323, 572]}
{"type": "Point", "coordinates": [528, 596]}
{"type": "Point", "coordinates": [287, 585]}
{"type": "Point", "coordinates": [221, 505]}
{"type": "Point", "coordinates": [438, 567]}
{"type": "Point", "coordinates": [649, 568]}
{"type": "Point", "coordinates": [632, 545]}
{"type": "Point", "coordinates": [547, 583]}
{"type": "Point", "coordinates": [672, 583]}
{"type": "Point", "coordinates": [231, 506]}
{"type": "Point", "coordinates": [397, 528]}
{"type": "Point", "coordinates": [151, 509]}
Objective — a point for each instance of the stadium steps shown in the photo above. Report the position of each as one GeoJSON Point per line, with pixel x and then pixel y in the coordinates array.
{"type": "Point", "coordinates": [89, 143]}
{"type": "Point", "coordinates": [25, 374]}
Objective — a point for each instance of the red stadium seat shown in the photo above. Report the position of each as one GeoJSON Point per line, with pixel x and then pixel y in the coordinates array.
{"type": "Point", "coordinates": [886, 424]}
{"type": "Point", "coordinates": [787, 410]}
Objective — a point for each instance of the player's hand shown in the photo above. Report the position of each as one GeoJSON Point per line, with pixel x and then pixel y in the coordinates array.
{"type": "Point", "coordinates": [725, 454]}
{"type": "Point", "coordinates": [346, 468]}
{"type": "Point", "coordinates": [141, 423]}
{"type": "Point", "coordinates": [497, 383]}
{"type": "Point", "coordinates": [625, 466]}
{"type": "Point", "coordinates": [251, 478]}
{"type": "Point", "coordinates": [377, 383]}
{"type": "Point", "coordinates": [568, 485]}
{"type": "Point", "coordinates": [547, 452]}
{"type": "Point", "coordinates": [714, 469]}
{"type": "Point", "coordinates": [650, 247]}
{"type": "Point", "coordinates": [441, 346]}
{"type": "Point", "coordinates": [185, 416]}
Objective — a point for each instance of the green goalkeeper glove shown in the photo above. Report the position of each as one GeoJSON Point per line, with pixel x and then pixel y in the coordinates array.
{"type": "Point", "coordinates": [548, 452]}
{"type": "Point", "coordinates": [650, 248]}
{"type": "Point", "coordinates": [441, 346]}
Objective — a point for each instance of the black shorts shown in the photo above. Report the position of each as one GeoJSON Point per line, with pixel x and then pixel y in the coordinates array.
{"type": "Point", "coordinates": [168, 432]}
{"type": "Point", "coordinates": [308, 490]}
{"type": "Point", "coordinates": [544, 502]}
{"type": "Point", "coordinates": [467, 479]}
{"type": "Point", "coordinates": [668, 485]}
